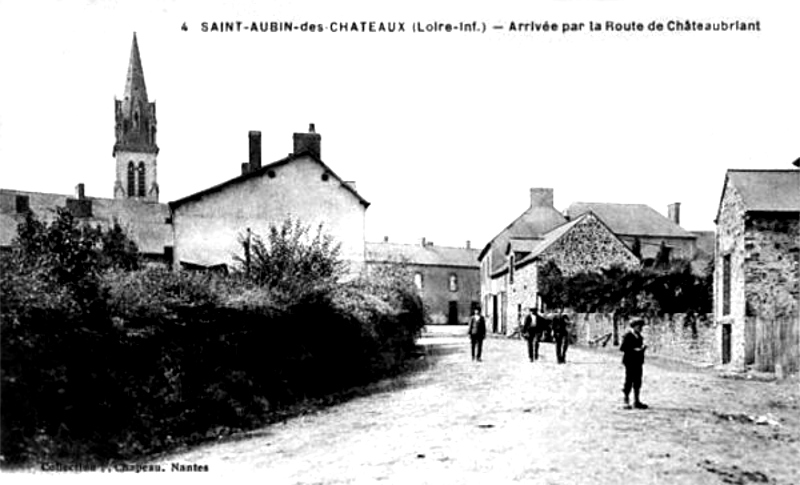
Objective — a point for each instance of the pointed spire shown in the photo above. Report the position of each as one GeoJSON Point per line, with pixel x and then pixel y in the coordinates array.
{"type": "Point", "coordinates": [134, 85]}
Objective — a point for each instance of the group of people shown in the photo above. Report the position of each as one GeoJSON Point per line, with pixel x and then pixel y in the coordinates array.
{"type": "Point", "coordinates": [533, 328]}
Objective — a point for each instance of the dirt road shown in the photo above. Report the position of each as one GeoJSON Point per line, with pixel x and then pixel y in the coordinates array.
{"type": "Point", "coordinates": [507, 420]}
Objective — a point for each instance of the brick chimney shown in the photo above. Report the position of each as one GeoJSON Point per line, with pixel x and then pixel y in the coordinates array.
{"type": "Point", "coordinates": [386, 239]}
{"type": "Point", "coordinates": [254, 160]}
{"type": "Point", "coordinates": [255, 150]}
{"type": "Point", "coordinates": [423, 242]}
{"type": "Point", "coordinates": [541, 197]}
{"type": "Point", "coordinates": [308, 142]}
{"type": "Point", "coordinates": [469, 246]}
{"type": "Point", "coordinates": [80, 191]}
{"type": "Point", "coordinates": [674, 212]}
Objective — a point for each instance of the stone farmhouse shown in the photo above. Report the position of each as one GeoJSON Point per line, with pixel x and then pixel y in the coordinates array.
{"type": "Point", "coordinates": [584, 244]}
{"type": "Point", "coordinates": [638, 231]}
{"type": "Point", "coordinates": [446, 277]}
{"type": "Point", "coordinates": [202, 230]}
{"type": "Point", "coordinates": [757, 269]}
{"type": "Point", "coordinates": [522, 235]}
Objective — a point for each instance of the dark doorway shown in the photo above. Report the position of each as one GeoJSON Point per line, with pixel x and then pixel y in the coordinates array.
{"type": "Point", "coordinates": [494, 313]}
{"type": "Point", "coordinates": [452, 314]}
{"type": "Point", "coordinates": [726, 343]}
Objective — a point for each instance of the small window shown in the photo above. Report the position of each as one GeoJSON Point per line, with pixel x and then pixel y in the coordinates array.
{"type": "Point", "coordinates": [271, 174]}
{"type": "Point", "coordinates": [726, 284]}
{"type": "Point", "coordinates": [453, 283]}
{"type": "Point", "coordinates": [325, 177]}
{"type": "Point", "coordinates": [418, 280]}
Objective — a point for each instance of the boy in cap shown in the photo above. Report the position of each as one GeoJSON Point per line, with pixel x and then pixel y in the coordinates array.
{"type": "Point", "coordinates": [633, 348]}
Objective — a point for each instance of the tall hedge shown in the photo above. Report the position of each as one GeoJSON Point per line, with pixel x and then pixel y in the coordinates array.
{"type": "Point", "coordinates": [166, 358]}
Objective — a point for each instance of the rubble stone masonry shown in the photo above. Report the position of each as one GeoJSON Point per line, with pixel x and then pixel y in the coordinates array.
{"type": "Point", "coordinates": [730, 243]}
{"type": "Point", "coordinates": [772, 264]}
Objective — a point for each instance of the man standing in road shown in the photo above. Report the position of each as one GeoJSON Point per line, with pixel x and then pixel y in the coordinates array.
{"type": "Point", "coordinates": [633, 348]}
{"type": "Point", "coordinates": [477, 332]}
{"type": "Point", "coordinates": [561, 326]}
{"type": "Point", "coordinates": [532, 330]}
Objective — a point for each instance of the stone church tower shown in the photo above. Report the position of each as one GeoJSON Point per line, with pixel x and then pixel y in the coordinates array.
{"type": "Point", "coordinates": [135, 149]}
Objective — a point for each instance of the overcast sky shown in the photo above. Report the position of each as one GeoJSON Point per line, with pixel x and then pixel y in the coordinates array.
{"type": "Point", "coordinates": [444, 133]}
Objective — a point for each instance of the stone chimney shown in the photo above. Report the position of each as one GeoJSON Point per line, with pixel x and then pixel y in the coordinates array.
{"type": "Point", "coordinates": [541, 197]}
{"type": "Point", "coordinates": [423, 242]}
{"type": "Point", "coordinates": [80, 192]}
{"type": "Point", "coordinates": [308, 142]}
{"type": "Point", "coordinates": [386, 239]}
{"type": "Point", "coordinates": [674, 212]}
{"type": "Point", "coordinates": [469, 246]}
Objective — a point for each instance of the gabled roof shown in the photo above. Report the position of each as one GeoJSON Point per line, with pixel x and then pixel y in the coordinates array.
{"type": "Point", "coordinates": [535, 221]}
{"type": "Point", "coordinates": [384, 252]}
{"type": "Point", "coordinates": [145, 222]}
{"type": "Point", "coordinates": [767, 190]}
{"type": "Point", "coordinates": [550, 238]}
{"type": "Point", "coordinates": [262, 171]}
{"type": "Point", "coordinates": [631, 219]}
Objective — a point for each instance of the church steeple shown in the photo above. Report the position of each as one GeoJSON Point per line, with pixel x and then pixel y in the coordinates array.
{"type": "Point", "coordinates": [134, 85]}
{"type": "Point", "coordinates": [135, 148]}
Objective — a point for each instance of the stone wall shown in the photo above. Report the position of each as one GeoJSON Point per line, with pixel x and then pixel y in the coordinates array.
{"type": "Point", "coordinates": [772, 265]}
{"type": "Point", "coordinates": [730, 241]}
{"type": "Point", "coordinates": [587, 246]}
{"type": "Point", "coordinates": [671, 337]}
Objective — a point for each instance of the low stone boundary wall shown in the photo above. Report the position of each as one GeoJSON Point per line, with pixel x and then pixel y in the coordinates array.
{"type": "Point", "coordinates": [672, 336]}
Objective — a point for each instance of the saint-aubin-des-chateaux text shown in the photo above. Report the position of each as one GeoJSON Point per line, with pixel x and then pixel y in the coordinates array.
{"type": "Point", "coordinates": [533, 26]}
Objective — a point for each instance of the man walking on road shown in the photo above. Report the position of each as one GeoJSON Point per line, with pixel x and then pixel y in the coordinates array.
{"type": "Point", "coordinates": [561, 336]}
{"type": "Point", "coordinates": [633, 348]}
{"type": "Point", "coordinates": [532, 331]}
{"type": "Point", "coordinates": [477, 332]}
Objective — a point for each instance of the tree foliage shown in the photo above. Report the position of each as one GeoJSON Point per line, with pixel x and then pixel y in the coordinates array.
{"type": "Point", "coordinates": [666, 288]}
{"type": "Point", "coordinates": [291, 260]}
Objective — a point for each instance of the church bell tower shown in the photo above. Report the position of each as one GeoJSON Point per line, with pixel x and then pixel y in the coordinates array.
{"type": "Point", "coordinates": [135, 149]}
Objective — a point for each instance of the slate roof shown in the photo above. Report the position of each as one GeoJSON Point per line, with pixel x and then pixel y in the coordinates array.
{"type": "Point", "coordinates": [631, 219]}
{"type": "Point", "coordinates": [532, 223]}
{"type": "Point", "coordinates": [260, 172]}
{"type": "Point", "coordinates": [524, 245]}
{"type": "Point", "coordinates": [385, 252]}
{"type": "Point", "coordinates": [145, 222]}
{"type": "Point", "coordinates": [547, 241]}
{"type": "Point", "coordinates": [767, 190]}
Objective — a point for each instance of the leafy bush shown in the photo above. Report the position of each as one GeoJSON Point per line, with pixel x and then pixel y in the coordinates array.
{"type": "Point", "coordinates": [292, 260]}
{"type": "Point", "coordinates": [668, 288]}
{"type": "Point", "coordinates": [166, 358]}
